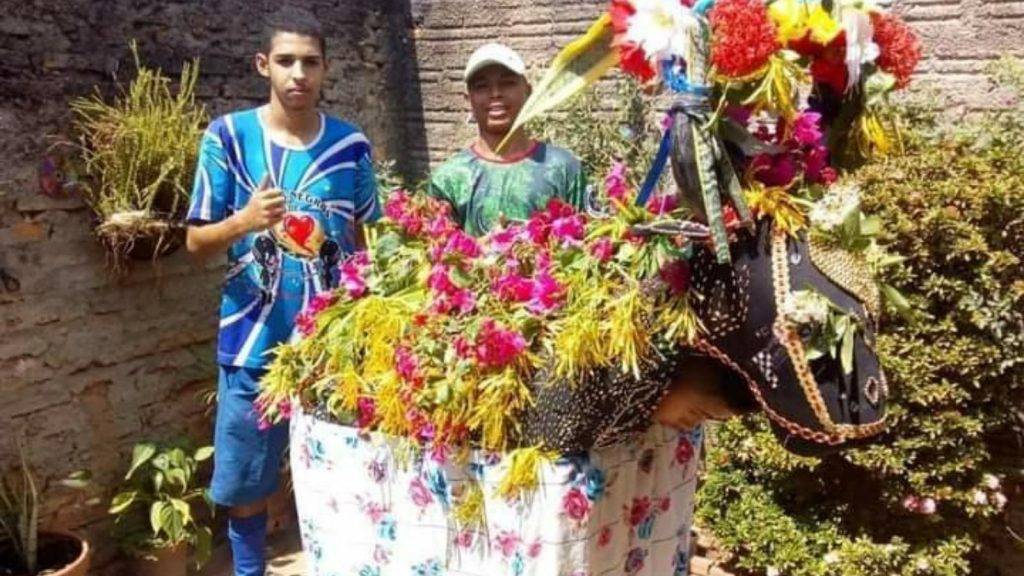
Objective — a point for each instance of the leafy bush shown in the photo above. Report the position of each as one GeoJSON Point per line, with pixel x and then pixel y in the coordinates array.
{"type": "Point", "coordinates": [154, 508]}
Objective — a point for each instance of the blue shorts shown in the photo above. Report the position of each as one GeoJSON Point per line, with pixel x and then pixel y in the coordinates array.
{"type": "Point", "coordinates": [246, 460]}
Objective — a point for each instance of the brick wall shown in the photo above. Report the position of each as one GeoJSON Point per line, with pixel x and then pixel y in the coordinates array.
{"type": "Point", "coordinates": [90, 364]}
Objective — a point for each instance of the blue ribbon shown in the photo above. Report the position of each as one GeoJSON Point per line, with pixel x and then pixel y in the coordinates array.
{"type": "Point", "coordinates": [654, 174]}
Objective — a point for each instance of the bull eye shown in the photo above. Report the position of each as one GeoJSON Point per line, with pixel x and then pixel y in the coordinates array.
{"type": "Point", "coordinates": [873, 390]}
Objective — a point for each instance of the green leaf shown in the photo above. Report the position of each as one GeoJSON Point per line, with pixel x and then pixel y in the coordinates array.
{"type": "Point", "coordinates": [176, 477]}
{"type": "Point", "coordinates": [140, 455]}
{"type": "Point", "coordinates": [203, 454]}
{"type": "Point", "coordinates": [846, 357]}
{"type": "Point", "coordinates": [183, 509]}
{"type": "Point", "coordinates": [158, 482]}
{"type": "Point", "coordinates": [162, 462]}
{"type": "Point", "coordinates": [122, 501]}
{"type": "Point", "coordinates": [156, 516]}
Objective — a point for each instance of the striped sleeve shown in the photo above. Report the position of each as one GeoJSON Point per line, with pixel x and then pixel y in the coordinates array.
{"type": "Point", "coordinates": [213, 185]}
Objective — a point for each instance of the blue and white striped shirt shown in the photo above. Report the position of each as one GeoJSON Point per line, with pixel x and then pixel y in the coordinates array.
{"type": "Point", "coordinates": [328, 184]}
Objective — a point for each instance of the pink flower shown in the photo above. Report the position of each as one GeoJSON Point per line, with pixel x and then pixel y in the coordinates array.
{"type": "Point", "coordinates": [463, 348]}
{"type": "Point", "coordinates": [441, 227]}
{"type": "Point", "coordinates": [534, 550]}
{"type": "Point", "coordinates": [547, 294]}
{"type": "Point", "coordinates": [366, 412]}
{"type": "Point", "coordinates": [464, 300]}
{"type": "Point", "coordinates": [375, 511]}
{"type": "Point", "coordinates": [815, 163]}
{"type": "Point", "coordinates": [775, 170]}
{"type": "Point", "coordinates": [663, 204]}
{"type": "Point", "coordinates": [395, 207]}
{"type": "Point", "coordinates": [305, 323]}
{"type": "Point", "coordinates": [684, 451]}
{"type": "Point", "coordinates": [321, 302]}
{"type": "Point", "coordinates": [640, 510]}
{"type": "Point", "coordinates": [506, 542]}
{"type": "Point", "coordinates": [677, 275]}
{"type": "Point", "coordinates": [496, 346]}
{"type": "Point", "coordinates": [284, 408]}
{"type": "Point", "coordinates": [806, 130]}
{"type": "Point", "coordinates": [575, 505]}
{"type": "Point", "coordinates": [538, 227]}
{"type": "Point", "coordinates": [603, 249]}
{"type": "Point", "coordinates": [927, 507]}
{"type": "Point", "coordinates": [351, 279]}
{"type": "Point", "coordinates": [513, 288]}
{"type": "Point", "coordinates": [615, 182]}
{"type": "Point", "coordinates": [462, 243]}
{"type": "Point", "coordinates": [464, 539]}
{"type": "Point", "coordinates": [407, 365]}
{"type": "Point", "coordinates": [558, 208]}
{"type": "Point", "coordinates": [605, 537]}
{"type": "Point", "coordinates": [569, 230]}
{"type": "Point", "coordinates": [829, 175]}
{"type": "Point", "coordinates": [419, 493]}
{"type": "Point", "coordinates": [911, 503]}
{"type": "Point", "coordinates": [503, 240]}
{"type": "Point", "coordinates": [439, 280]}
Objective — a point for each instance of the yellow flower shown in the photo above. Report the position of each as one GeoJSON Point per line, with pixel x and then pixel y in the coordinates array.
{"type": "Point", "coordinates": [795, 18]}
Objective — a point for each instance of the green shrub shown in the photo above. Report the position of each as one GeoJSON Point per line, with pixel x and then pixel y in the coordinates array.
{"type": "Point", "coordinates": [953, 208]}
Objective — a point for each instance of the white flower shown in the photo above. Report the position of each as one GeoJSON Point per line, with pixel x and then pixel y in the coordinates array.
{"type": "Point", "coordinates": [990, 481]}
{"type": "Point", "coordinates": [998, 500]}
{"type": "Point", "coordinates": [979, 497]}
{"type": "Point", "coordinates": [831, 557]}
{"type": "Point", "coordinates": [806, 307]}
{"type": "Point", "coordinates": [772, 571]}
{"type": "Point", "coordinates": [661, 27]}
{"type": "Point", "coordinates": [923, 564]}
{"type": "Point", "coordinates": [860, 48]}
{"type": "Point", "coordinates": [829, 212]}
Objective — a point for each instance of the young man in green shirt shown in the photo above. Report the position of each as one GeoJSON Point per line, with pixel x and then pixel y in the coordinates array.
{"type": "Point", "coordinates": [485, 186]}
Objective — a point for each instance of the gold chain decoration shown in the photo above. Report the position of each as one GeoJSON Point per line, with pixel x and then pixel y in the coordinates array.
{"type": "Point", "coordinates": [849, 271]}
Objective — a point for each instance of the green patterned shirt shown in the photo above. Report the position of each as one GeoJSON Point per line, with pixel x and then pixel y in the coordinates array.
{"type": "Point", "coordinates": [482, 191]}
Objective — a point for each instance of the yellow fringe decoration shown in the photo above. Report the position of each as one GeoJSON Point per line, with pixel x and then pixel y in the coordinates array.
{"type": "Point", "coordinates": [391, 409]}
{"type": "Point", "coordinates": [501, 399]}
{"type": "Point", "coordinates": [470, 511]}
{"type": "Point", "coordinates": [627, 331]}
{"type": "Point", "coordinates": [578, 344]}
{"type": "Point", "coordinates": [523, 474]}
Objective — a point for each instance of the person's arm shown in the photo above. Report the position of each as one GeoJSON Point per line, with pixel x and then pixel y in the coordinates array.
{"type": "Point", "coordinates": [266, 207]}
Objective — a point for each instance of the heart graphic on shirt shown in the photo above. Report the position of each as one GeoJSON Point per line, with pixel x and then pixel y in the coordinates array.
{"type": "Point", "coordinates": [299, 227]}
{"type": "Point", "coordinates": [300, 233]}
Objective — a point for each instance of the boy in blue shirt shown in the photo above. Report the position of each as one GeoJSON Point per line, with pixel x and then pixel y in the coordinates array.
{"type": "Point", "coordinates": [284, 189]}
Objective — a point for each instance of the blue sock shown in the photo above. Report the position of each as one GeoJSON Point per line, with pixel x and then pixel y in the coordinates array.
{"type": "Point", "coordinates": [248, 537]}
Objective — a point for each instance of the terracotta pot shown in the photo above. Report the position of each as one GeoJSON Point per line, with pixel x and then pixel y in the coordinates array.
{"type": "Point", "coordinates": [62, 554]}
{"type": "Point", "coordinates": [162, 562]}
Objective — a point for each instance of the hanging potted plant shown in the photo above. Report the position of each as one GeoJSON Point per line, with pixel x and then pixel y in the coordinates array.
{"type": "Point", "coordinates": [155, 518]}
{"type": "Point", "coordinates": [136, 157]}
{"type": "Point", "coordinates": [24, 549]}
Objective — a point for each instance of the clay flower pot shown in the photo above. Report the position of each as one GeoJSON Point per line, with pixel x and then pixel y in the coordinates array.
{"type": "Point", "coordinates": [59, 553]}
{"type": "Point", "coordinates": [171, 561]}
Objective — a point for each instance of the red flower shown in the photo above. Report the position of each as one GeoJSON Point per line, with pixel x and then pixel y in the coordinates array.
{"type": "Point", "coordinates": [677, 275]}
{"type": "Point", "coordinates": [639, 511]}
{"type": "Point", "coordinates": [513, 288]}
{"type": "Point", "coordinates": [899, 48]}
{"type": "Point", "coordinates": [496, 346]}
{"type": "Point", "coordinates": [743, 37]}
{"type": "Point", "coordinates": [829, 65]}
{"type": "Point", "coordinates": [367, 412]}
{"type": "Point", "coordinates": [632, 59]}
{"type": "Point", "coordinates": [576, 505]}
{"type": "Point", "coordinates": [684, 451]}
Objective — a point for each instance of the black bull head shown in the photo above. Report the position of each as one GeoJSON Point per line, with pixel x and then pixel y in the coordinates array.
{"type": "Point", "coordinates": [815, 406]}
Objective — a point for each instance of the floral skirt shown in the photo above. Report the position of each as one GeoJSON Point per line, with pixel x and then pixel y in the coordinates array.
{"type": "Point", "coordinates": [367, 510]}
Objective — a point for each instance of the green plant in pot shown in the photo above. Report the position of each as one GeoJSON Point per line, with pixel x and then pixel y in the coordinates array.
{"type": "Point", "coordinates": [136, 157]}
{"type": "Point", "coordinates": [155, 512]}
{"type": "Point", "coordinates": [25, 550]}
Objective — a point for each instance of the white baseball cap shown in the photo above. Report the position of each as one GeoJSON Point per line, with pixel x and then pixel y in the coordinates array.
{"type": "Point", "coordinates": [494, 53]}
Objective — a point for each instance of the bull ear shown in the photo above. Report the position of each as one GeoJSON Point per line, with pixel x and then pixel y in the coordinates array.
{"type": "Point", "coordinates": [577, 66]}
